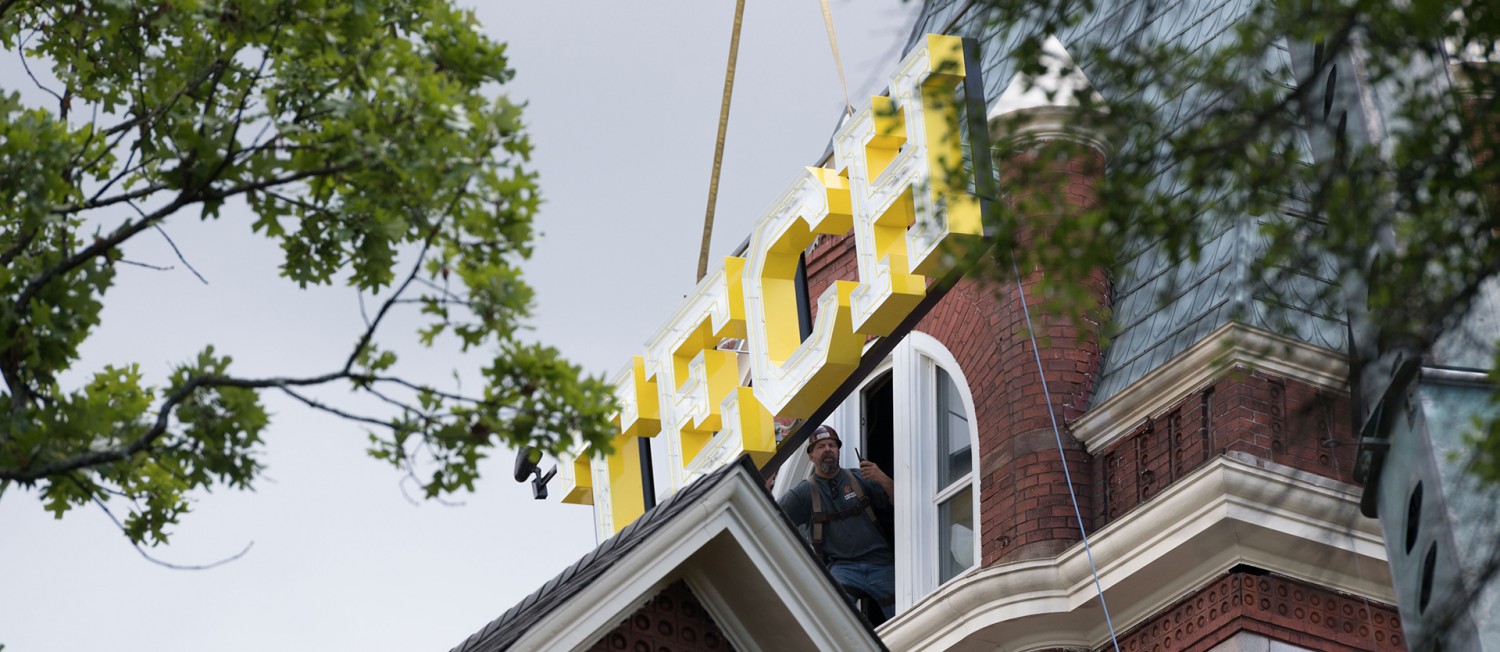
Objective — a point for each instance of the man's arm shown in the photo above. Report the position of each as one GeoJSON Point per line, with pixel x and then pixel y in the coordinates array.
{"type": "Point", "coordinates": [870, 471]}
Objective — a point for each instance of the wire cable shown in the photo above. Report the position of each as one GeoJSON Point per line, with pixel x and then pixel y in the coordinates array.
{"type": "Point", "coordinates": [1057, 434]}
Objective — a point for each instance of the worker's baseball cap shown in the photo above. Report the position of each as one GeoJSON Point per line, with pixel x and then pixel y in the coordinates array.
{"type": "Point", "coordinates": [821, 433]}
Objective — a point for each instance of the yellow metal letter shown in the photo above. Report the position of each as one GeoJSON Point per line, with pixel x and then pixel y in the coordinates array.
{"type": "Point", "coordinates": [697, 382]}
{"type": "Point", "coordinates": [793, 377]}
{"type": "Point", "coordinates": [904, 160]}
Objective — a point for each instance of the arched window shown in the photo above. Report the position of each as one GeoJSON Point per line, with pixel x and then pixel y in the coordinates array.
{"type": "Point", "coordinates": [939, 447]}
{"type": "Point", "coordinates": [914, 416]}
{"type": "Point", "coordinates": [953, 497]}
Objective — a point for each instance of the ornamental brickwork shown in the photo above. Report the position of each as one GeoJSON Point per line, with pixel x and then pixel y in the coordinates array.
{"type": "Point", "coordinates": [1278, 608]}
{"type": "Point", "coordinates": [673, 621]}
{"type": "Point", "coordinates": [1272, 418]}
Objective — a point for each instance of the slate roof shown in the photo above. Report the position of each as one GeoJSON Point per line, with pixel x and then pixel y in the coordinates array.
{"type": "Point", "coordinates": [1162, 309]}
{"type": "Point", "coordinates": [504, 631]}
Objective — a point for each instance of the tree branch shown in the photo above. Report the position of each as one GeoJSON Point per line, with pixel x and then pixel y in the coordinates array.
{"type": "Point", "coordinates": [21, 51]}
{"type": "Point", "coordinates": [124, 170]}
{"type": "Point", "coordinates": [184, 198]}
{"type": "Point", "coordinates": [99, 247]}
{"type": "Point", "coordinates": [152, 114]}
{"type": "Point", "coordinates": [194, 383]}
{"type": "Point", "coordinates": [210, 195]}
{"type": "Point", "coordinates": [158, 268]}
{"type": "Point", "coordinates": [105, 508]}
{"type": "Point", "coordinates": [419, 388]}
{"type": "Point", "coordinates": [21, 243]}
{"type": "Point", "coordinates": [163, 417]}
{"type": "Point", "coordinates": [177, 251]}
{"type": "Point", "coordinates": [113, 199]}
{"type": "Point", "coordinates": [318, 405]}
{"type": "Point", "coordinates": [416, 269]}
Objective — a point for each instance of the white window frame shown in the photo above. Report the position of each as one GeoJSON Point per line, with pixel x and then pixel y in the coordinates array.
{"type": "Point", "coordinates": [914, 418]}
{"type": "Point", "coordinates": [916, 409]}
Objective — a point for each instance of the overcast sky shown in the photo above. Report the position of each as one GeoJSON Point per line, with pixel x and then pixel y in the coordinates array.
{"type": "Point", "coordinates": [623, 100]}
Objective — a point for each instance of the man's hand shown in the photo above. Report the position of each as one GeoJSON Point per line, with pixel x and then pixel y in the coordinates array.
{"type": "Point", "coordinates": [873, 473]}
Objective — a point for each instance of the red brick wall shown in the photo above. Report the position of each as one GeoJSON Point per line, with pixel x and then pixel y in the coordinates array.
{"type": "Point", "coordinates": [1281, 420]}
{"type": "Point", "coordinates": [1276, 607]}
{"type": "Point", "coordinates": [831, 259]}
{"type": "Point", "coordinates": [1025, 509]}
{"type": "Point", "coordinates": [673, 620]}
{"type": "Point", "coordinates": [1482, 124]}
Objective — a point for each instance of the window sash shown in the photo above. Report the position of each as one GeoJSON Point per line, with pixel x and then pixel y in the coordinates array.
{"type": "Point", "coordinates": [958, 485]}
{"type": "Point", "coordinates": [954, 555]}
{"type": "Point", "coordinates": [953, 450]}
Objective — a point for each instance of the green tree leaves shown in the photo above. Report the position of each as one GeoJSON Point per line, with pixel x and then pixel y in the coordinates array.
{"type": "Point", "coordinates": [368, 138]}
{"type": "Point", "coordinates": [1348, 147]}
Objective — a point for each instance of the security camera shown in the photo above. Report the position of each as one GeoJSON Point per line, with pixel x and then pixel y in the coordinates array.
{"type": "Point", "coordinates": [526, 466]}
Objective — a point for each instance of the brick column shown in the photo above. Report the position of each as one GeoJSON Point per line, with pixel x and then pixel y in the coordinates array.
{"type": "Point", "coordinates": [1048, 174]}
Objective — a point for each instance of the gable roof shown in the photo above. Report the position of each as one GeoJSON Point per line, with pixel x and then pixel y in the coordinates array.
{"type": "Point", "coordinates": [725, 514]}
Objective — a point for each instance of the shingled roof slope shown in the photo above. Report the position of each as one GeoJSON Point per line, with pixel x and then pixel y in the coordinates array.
{"type": "Point", "coordinates": [517, 620]}
{"type": "Point", "coordinates": [511, 626]}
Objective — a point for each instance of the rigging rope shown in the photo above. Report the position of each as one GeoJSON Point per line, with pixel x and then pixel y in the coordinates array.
{"type": "Point", "coordinates": [838, 62]}
{"type": "Point", "coordinates": [1057, 434]}
{"type": "Point", "coordinates": [713, 181]}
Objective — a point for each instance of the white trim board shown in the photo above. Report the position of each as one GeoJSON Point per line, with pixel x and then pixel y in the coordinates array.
{"type": "Point", "coordinates": [1235, 510]}
{"type": "Point", "coordinates": [749, 570]}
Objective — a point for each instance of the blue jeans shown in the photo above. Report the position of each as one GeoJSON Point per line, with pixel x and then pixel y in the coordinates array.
{"type": "Point", "coordinates": [876, 580]}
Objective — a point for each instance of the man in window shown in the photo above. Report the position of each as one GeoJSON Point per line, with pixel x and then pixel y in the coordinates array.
{"type": "Point", "coordinates": [836, 509]}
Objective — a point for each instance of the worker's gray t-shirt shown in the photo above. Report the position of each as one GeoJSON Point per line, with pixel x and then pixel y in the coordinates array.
{"type": "Point", "coordinates": [853, 538]}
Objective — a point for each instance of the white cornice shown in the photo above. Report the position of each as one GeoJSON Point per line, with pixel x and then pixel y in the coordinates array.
{"type": "Point", "coordinates": [1236, 510]}
{"type": "Point", "coordinates": [1045, 123]}
{"type": "Point", "coordinates": [1046, 107]}
{"type": "Point", "coordinates": [1233, 345]}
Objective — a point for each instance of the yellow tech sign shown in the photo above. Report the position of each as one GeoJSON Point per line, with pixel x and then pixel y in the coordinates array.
{"type": "Point", "coordinates": [893, 183]}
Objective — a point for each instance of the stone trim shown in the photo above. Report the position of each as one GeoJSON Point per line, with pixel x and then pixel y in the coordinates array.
{"type": "Point", "coordinates": [1235, 510]}
{"type": "Point", "coordinates": [1231, 346]}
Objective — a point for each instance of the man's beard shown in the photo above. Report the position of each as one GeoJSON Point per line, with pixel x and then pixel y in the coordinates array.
{"type": "Point", "coordinates": [828, 464]}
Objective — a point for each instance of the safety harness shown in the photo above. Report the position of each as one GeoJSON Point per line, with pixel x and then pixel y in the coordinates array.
{"type": "Point", "coordinates": [819, 517]}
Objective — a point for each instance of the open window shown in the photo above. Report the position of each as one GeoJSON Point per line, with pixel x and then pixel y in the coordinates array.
{"type": "Point", "coordinates": [914, 416]}
{"type": "Point", "coordinates": [877, 422]}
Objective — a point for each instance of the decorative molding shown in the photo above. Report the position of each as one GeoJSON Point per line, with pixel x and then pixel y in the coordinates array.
{"type": "Point", "coordinates": [1233, 345]}
{"type": "Point", "coordinates": [1237, 509]}
{"type": "Point", "coordinates": [1259, 605]}
{"type": "Point", "coordinates": [1046, 107]}
{"type": "Point", "coordinates": [1043, 123]}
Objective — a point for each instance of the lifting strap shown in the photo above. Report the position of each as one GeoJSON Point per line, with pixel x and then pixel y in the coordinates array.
{"type": "Point", "coordinates": [819, 517]}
